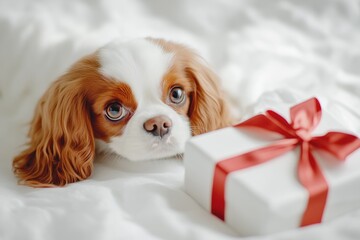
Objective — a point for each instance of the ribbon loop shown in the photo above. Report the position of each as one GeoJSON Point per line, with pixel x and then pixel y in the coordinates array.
{"type": "Point", "coordinates": [306, 116]}
{"type": "Point", "coordinates": [271, 122]}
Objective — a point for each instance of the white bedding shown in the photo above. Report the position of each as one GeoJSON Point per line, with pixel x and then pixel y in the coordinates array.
{"type": "Point", "coordinates": [264, 51]}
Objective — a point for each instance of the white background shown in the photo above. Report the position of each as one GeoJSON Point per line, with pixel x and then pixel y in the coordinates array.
{"type": "Point", "coordinates": [264, 51]}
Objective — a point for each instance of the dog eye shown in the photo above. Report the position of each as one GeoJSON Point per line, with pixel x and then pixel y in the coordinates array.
{"type": "Point", "coordinates": [115, 111]}
{"type": "Point", "coordinates": [177, 95]}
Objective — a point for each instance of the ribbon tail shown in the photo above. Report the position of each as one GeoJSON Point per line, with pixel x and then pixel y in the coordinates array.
{"type": "Point", "coordinates": [246, 160]}
{"type": "Point", "coordinates": [313, 180]}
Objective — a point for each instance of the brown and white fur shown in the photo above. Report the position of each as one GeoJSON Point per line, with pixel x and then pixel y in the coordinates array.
{"type": "Point", "coordinates": [139, 77]}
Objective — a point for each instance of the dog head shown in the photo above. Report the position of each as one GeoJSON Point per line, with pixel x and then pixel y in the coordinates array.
{"type": "Point", "coordinates": [141, 99]}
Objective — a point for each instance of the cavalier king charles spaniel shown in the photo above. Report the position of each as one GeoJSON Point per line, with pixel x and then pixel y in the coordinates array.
{"type": "Point", "coordinates": [141, 99]}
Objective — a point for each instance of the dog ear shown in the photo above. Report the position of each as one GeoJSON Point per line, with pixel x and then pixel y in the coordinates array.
{"type": "Point", "coordinates": [209, 107]}
{"type": "Point", "coordinates": [62, 147]}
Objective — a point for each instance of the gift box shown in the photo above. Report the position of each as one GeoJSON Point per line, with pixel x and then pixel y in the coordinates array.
{"type": "Point", "coordinates": [276, 171]}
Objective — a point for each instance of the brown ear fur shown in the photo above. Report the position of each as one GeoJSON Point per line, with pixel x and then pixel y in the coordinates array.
{"type": "Point", "coordinates": [61, 148]}
{"type": "Point", "coordinates": [209, 108]}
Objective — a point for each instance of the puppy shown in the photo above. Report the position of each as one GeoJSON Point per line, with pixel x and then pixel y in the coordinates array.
{"type": "Point", "coordinates": [141, 99]}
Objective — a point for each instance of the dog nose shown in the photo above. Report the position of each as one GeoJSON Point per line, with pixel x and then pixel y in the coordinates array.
{"type": "Point", "coordinates": [158, 126]}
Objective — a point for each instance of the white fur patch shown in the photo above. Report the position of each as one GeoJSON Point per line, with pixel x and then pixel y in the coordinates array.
{"type": "Point", "coordinates": [142, 65]}
{"type": "Point", "coordinates": [139, 63]}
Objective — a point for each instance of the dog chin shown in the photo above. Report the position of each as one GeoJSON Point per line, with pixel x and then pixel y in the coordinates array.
{"type": "Point", "coordinates": [152, 151]}
{"type": "Point", "coordinates": [155, 156]}
{"type": "Point", "coordinates": [157, 150]}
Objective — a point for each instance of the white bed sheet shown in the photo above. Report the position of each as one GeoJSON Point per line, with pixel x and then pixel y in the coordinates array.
{"type": "Point", "coordinates": [264, 51]}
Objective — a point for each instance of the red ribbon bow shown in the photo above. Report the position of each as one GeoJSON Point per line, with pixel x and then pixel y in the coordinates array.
{"type": "Point", "coordinates": [304, 118]}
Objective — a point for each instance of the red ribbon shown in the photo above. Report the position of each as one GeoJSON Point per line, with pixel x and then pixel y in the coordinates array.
{"type": "Point", "coordinates": [304, 119]}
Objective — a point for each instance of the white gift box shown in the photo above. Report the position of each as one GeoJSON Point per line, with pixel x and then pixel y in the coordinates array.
{"type": "Point", "coordinates": [268, 198]}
